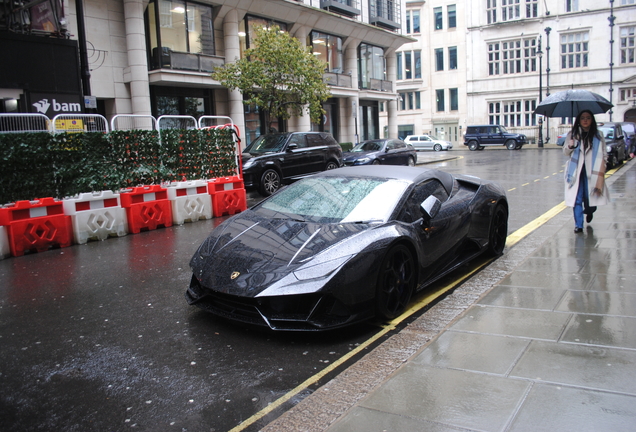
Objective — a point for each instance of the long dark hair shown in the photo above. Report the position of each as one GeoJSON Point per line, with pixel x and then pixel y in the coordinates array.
{"type": "Point", "coordinates": [577, 130]}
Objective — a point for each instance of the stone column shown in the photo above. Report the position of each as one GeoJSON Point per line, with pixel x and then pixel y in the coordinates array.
{"type": "Point", "coordinates": [233, 54]}
{"type": "Point", "coordinates": [392, 117]}
{"type": "Point", "coordinates": [137, 63]}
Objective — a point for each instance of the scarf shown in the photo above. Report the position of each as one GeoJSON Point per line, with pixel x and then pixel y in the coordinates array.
{"type": "Point", "coordinates": [598, 166]}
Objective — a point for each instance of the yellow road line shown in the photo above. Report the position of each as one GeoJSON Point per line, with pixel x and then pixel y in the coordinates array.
{"type": "Point", "coordinates": [511, 240]}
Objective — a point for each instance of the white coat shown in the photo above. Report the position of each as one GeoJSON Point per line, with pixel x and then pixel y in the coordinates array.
{"type": "Point", "coordinates": [570, 192]}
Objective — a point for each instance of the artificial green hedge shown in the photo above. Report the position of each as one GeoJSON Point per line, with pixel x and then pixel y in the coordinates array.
{"type": "Point", "coordinates": [38, 165]}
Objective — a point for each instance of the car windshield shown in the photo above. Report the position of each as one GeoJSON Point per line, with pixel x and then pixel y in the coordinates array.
{"type": "Point", "coordinates": [433, 137]}
{"type": "Point", "coordinates": [607, 132]}
{"type": "Point", "coordinates": [503, 129]}
{"type": "Point", "coordinates": [271, 143]}
{"type": "Point", "coordinates": [368, 146]}
{"type": "Point", "coordinates": [334, 199]}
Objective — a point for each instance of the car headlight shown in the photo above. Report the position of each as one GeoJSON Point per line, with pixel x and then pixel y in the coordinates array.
{"type": "Point", "coordinates": [363, 160]}
{"type": "Point", "coordinates": [321, 270]}
{"type": "Point", "coordinates": [608, 148]}
{"type": "Point", "coordinates": [248, 164]}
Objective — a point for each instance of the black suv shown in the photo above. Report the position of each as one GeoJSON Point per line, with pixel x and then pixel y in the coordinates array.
{"type": "Point", "coordinates": [615, 143]}
{"type": "Point", "coordinates": [275, 159]}
{"type": "Point", "coordinates": [477, 137]}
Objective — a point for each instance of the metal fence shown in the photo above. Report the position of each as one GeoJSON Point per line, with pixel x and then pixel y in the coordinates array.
{"type": "Point", "coordinates": [124, 122]}
{"type": "Point", "coordinates": [79, 123]}
{"type": "Point", "coordinates": [20, 122]}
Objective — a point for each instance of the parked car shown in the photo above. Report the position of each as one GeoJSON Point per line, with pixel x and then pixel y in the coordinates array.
{"type": "Point", "coordinates": [480, 136]}
{"type": "Point", "coordinates": [561, 139]}
{"type": "Point", "coordinates": [629, 130]}
{"type": "Point", "coordinates": [273, 160]}
{"type": "Point", "coordinates": [346, 245]}
{"type": "Point", "coordinates": [615, 142]}
{"type": "Point", "coordinates": [428, 142]}
{"type": "Point", "coordinates": [381, 152]}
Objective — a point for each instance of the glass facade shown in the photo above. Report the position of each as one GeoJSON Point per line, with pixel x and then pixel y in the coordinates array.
{"type": "Point", "coordinates": [328, 48]}
{"type": "Point", "coordinates": [371, 64]}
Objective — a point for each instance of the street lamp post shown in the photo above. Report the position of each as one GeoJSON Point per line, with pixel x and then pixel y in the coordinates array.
{"type": "Point", "coordinates": [547, 76]}
{"type": "Point", "coordinates": [540, 55]}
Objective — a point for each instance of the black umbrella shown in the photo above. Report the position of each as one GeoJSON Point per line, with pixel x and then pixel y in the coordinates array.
{"type": "Point", "coordinates": [569, 103]}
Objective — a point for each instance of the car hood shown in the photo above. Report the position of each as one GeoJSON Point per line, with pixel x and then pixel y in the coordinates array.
{"type": "Point", "coordinates": [247, 254]}
{"type": "Point", "coordinates": [359, 155]}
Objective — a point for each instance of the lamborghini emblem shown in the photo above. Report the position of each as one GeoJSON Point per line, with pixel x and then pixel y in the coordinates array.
{"type": "Point", "coordinates": [235, 275]}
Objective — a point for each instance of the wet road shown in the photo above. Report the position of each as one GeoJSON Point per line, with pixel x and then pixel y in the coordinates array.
{"type": "Point", "coordinates": [100, 337]}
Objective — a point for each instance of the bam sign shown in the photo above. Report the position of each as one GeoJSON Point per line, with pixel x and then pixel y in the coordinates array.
{"type": "Point", "coordinates": [53, 104]}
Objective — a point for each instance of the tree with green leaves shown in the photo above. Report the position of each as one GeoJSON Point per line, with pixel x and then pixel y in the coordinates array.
{"type": "Point", "coordinates": [279, 75]}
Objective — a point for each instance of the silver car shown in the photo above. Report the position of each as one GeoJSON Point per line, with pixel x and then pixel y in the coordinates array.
{"type": "Point", "coordinates": [428, 142]}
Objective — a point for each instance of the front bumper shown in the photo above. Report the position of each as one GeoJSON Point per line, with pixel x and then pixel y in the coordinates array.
{"type": "Point", "coordinates": [294, 312]}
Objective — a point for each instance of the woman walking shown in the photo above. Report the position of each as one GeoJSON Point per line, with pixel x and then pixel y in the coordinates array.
{"type": "Point", "coordinates": [585, 171]}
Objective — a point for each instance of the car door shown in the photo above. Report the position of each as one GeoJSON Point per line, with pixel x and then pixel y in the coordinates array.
{"type": "Point", "coordinates": [401, 152]}
{"type": "Point", "coordinates": [392, 155]}
{"type": "Point", "coordinates": [438, 239]}
{"type": "Point", "coordinates": [493, 135]}
{"type": "Point", "coordinates": [427, 143]}
{"type": "Point", "coordinates": [295, 159]}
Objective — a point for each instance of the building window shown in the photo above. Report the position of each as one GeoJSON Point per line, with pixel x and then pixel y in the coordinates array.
{"type": "Point", "coordinates": [627, 44]}
{"type": "Point", "coordinates": [510, 10]}
{"type": "Point", "coordinates": [417, 62]}
{"type": "Point", "coordinates": [512, 57]}
{"type": "Point", "coordinates": [182, 27]}
{"type": "Point", "coordinates": [439, 98]}
{"type": "Point", "coordinates": [410, 101]}
{"type": "Point", "coordinates": [439, 59]}
{"type": "Point", "coordinates": [511, 52]}
{"type": "Point", "coordinates": [452, 16]}
{"type": "Point", "coordinates": [438, 18]}
{"type": "Point", "coordinates": [512, 113]}
{"type": "Point", "coordinates": [398, 61]}
{"type": "Point", "coordinates": [574, 50]}
{"type": "Point", "coordinates": [408, 67]}
{"type": "Point", "coordinates": [530, 55]}
{"type": "Point", "coordinates": [454, 100]}
{"type": "Point", "coordinates": [572, 5]}
{"type": "Point", "coordinates": [532, 8]}
{"type": "Point", "coordinates": [452, 58]}
{"type": "Point", "coordinates": [371, 64]}
{"type": "Point", "coordinates": [491, 10]}
{"type": "Point", "coordinates": [412, 21]}
{"type": "Point", "coordinates": [328, 48]}
{"type": "Point", "coordinates": [246, 30]}
{"type": "Point", "coordinates": [624, 2]}
{"type": "Point", "coordinates": [627, 93]}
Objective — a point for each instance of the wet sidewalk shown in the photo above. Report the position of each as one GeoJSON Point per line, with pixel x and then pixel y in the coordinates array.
{"type": "Point", "coordinates": [542, 339]}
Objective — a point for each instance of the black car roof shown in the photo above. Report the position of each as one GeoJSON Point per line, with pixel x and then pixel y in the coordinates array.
{"type": "Point", "coordinates": [410, 174]}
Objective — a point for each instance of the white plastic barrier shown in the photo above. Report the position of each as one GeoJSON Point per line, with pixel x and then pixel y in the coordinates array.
{"type": "Point", "coordinates": [5, 247]}
{"type": "Point", "coordinates": [190, 201]}
{"type": "Point", "coordinates": [96, 216]}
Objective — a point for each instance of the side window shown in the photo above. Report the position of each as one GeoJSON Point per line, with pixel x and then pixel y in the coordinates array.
{"type": "Point", "coordinates": [299, 140]}
{"type": "Point", "coordinates": [390, 145]}
{"type": "Point", "coordinates": [425, 138]}
{"type": "Point", "coordinates": [314, 140]}
{"type": "Point", "coordinates": [411, 210]}
{"type": "Point", "coordinates": [399, 144]}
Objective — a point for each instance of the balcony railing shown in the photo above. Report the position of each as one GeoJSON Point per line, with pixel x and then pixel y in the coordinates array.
{"type": "Point", "coordinates": [380, 85]}
{"type": "Point", "coordinates": [185, 61]}
{"type": "Point", "coordinates": [349, 8]}
{"type": "Point", "coordinates": [385, 14]}
{"type": "Point", "coordinates": [337, 80]}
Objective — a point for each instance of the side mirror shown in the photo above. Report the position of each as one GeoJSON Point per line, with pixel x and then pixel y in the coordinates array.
{"type": "Point", "coordinates": [292, 146]}
{"type": "Point", "coordinates": [429, 208]}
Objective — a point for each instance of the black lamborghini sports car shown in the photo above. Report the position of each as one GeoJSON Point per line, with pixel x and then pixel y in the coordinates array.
{"type": "Point", "coordinates": [346, 245]}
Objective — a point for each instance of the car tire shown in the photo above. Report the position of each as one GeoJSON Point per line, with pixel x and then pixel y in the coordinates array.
{"type": "Point", "coordinates": [411, 162]}
{"type": "Point", "coordinates": [511, 145]}
{"type": "Point", "coordinates": [331, 165]}
{"type": "Point", "coordinates": [437, 147]}
{"type": "Point", "coordinates": [472, 145]}
{"type": "Point", "coordinates": [270, 182]}
{"type": "Point", "coordinates": [611, 161]}
{"type": "Point", "coordinates": [396, 282]}
{"type": "Point", "coordinates": [375, 162]}
{"type": "Point", "coordinates": [498, 230]}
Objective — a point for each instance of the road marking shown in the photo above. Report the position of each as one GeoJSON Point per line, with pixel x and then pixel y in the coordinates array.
{"type": "Point", "coordinates": [511, 240]}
